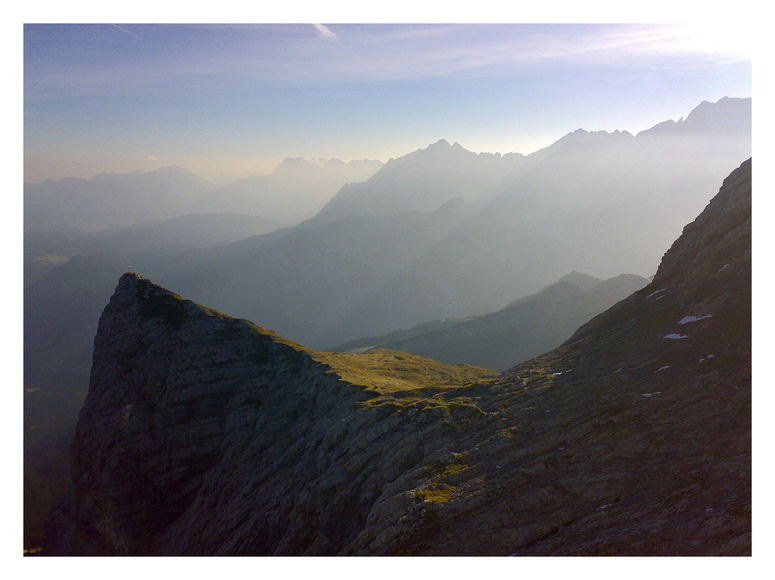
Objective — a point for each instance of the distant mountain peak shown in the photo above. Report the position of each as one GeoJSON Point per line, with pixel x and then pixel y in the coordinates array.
{"type": "Point", "coordinates": [174, 168]}
{"type": "Point", "coordinates": [727, 115]}
{"type": "Point", "coordinates": [584, 282]}
{"type": "Point", "coordinates": [295, 161]}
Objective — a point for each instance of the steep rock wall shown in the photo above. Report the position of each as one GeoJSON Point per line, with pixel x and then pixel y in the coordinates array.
{"type": "Point", "coordinates": [204, 434]}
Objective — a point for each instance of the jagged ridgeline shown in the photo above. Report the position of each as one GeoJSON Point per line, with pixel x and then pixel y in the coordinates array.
{"type": "Point", "coordinates": [205, 434]}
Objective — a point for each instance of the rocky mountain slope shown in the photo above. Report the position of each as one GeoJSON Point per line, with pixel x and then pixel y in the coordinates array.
{"type": "Point", "coordinates": [521, 330]}
{"type": "Point", "coordinates": [202, 434]}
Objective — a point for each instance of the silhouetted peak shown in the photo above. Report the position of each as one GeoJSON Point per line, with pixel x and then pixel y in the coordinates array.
{"type": "Point", "coordinates": [295, 161]}
{"type": "Point", "coordinates": [584, 281]}
{"type": "Point", "coordinates": [443, 148]}
{"type": "Point", "coordinates": [293, 164]}
{"type": "Point", "coordinates": [576, 136]}
{"type": "Point", "coordinates": [174, 170]}
{"type": "Point", "coordinates": [727, 115]}
{"type": "Point", "coordinates": [440, 144]}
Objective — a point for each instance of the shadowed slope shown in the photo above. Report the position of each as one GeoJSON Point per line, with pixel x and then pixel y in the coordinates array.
{"type": "Point", "coordinates": [521, 330]}
{"type": "Point", "coordinates": [190, 410]}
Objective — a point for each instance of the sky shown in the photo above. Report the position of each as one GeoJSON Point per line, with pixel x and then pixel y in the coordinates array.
{"type": "Point", "coordinates": [231, 100]}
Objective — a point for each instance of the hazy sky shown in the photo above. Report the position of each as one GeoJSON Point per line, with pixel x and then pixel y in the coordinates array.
{"type": "Point", "coordinates": [226, 101]}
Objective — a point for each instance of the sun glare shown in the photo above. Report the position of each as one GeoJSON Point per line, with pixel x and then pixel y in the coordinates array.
{"type": "Point", "coordinates": [726, 40]}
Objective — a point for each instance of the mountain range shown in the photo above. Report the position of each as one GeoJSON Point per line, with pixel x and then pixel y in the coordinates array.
{"type": "Point", "coordinates": [293, 192]}
{"type": "Point", "coordinates": [441, 233]}
{"type": "Point", "coordinates": [110, 199]}
{"type": "Point", "coordinates": [602, 203]}
{"type": "Point", "coordinates": [519, 331]}
{"type": "Point", "coordinates": [204, 434]}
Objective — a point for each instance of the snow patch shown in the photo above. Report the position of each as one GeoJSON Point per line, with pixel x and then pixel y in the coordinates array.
{"type": "Point", "coordinates": [655, 292]}
{"type": "Point", "coordinates": [686, 319]}
{"type": "Point", "coordinates": [618, 370]}
{"type": "Point", "coordinates": [651, 394]}
{"type": "Point", "coordinates": [723, 268]}
{"type": "Point", "coordinates": [662, 368]}
{"type": "Point", "coordinates": [676, 336]}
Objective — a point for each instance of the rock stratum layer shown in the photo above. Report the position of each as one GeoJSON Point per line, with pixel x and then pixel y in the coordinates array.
{"type": "Point", "coordinates": [204, 434]}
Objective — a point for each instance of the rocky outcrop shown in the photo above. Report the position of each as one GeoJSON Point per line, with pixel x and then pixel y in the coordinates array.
{"type": "Point", "coordinates": [203, 434]}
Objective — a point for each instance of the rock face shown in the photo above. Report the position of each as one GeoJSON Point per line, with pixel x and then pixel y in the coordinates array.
{"type": "Point", "coordinates": [204, 434]}
{"type": "Point", "coordinates": [191, 412]}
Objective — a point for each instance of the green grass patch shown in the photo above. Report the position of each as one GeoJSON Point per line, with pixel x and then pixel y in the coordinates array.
{"type": "Point", "coordinates": [437, 490]}
{"type": "Point", "coordinates": [440, 493]}
{"type": "Point", "coordinates": [388, 372]}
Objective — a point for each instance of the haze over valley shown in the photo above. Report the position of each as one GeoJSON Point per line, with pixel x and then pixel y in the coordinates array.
{"type": "Point", "coordinates": [359, 317]}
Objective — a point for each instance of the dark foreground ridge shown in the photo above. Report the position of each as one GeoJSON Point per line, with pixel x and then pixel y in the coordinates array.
{"type": "Point", "coordinates": [203, 434]}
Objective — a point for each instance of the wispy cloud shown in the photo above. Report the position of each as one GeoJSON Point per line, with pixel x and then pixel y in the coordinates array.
{"type": "Point", "coordinates": [125, 30]}
{"type": "Point", "coordinates": [325, 32]}
{"type": "Point", "coordinates": [239, 58]}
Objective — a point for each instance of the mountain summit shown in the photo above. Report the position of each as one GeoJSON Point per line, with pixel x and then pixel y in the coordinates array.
{"type": "Point", "coordinates": [203, 434]}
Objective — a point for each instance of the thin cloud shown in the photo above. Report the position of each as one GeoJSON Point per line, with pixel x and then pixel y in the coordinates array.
{"type": "Point", "coordinates": [244, 57]}
{"type": "Point", "coordinates": [325, 32]}
{"type": "Point", "coordinates": [125, 30]}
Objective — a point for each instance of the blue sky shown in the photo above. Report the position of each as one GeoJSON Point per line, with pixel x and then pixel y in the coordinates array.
{"type": "Point", "coordinates": [227, 101]}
